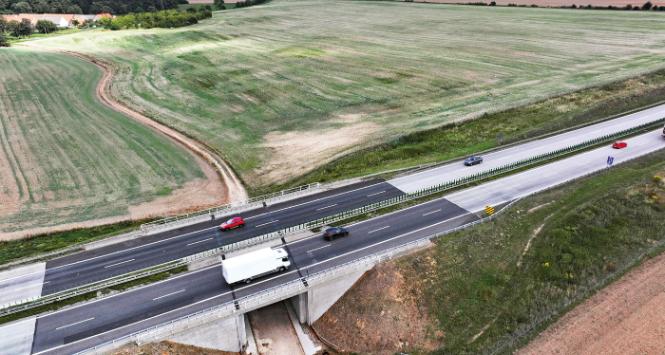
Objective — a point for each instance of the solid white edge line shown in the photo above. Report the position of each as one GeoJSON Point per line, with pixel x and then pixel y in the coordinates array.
{"type": "Point", "coordinates": [383, 241]}
{"type": "Point", "coordinates": [75, 323]}
{"type": "Point", "coordinates": [319, 199]}
{"type": "Point", "coordinates": [139, 288]}
{"type": "Point", "coordinates": [132, 248]}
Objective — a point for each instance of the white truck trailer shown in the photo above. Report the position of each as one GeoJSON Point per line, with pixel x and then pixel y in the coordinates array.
{"type": "Point", "coordinates": [248, 266]}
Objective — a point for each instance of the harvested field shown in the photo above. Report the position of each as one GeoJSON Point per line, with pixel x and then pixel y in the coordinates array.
{"type": "Point", "coordinates": [552, 3]}
{"type": "Point", "coordinates": [293, 69]}
{"type": "Point", "coordinates": [627, 317]}
{"type": "Point", "coordinates": [66, 159]}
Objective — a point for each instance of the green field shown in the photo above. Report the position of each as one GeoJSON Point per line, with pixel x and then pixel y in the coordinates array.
{"type": "Point", "coordinates": [67, 158]}
{"type": "Point", "coordinates": [281, 88]}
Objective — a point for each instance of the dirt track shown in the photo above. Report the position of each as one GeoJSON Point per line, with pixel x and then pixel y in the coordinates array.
{"type": "Point", "coordinates": [627, 317]}
{"type": "Point", "coordinates": [234, 189]}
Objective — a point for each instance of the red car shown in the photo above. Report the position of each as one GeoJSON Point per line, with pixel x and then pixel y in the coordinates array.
{"type": "Point", "coordinates": [233, 223]}
{"type": "Point", "coordinates": [619, 145]}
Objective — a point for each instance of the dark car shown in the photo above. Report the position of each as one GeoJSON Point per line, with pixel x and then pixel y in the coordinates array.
{"type": "Point", "coordinates": [332, 233]}
{"type": "Point", "coordinates": [473, 160]}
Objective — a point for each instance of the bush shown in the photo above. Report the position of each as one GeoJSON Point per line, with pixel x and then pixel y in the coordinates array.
{"type": "Point", "coordinates": [3, 40]}
{"type": "Point", "coordinates": [161, 19]}
{"type": "Point", "coordinates": [45, 26]}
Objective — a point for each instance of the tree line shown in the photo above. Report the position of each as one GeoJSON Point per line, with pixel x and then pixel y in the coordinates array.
{"type": "Point", "coordinates": [162, 19]}
{"type": "Point", "coordinates": [116, 7]}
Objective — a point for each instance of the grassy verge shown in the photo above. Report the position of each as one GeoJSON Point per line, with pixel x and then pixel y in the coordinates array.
{"type": "Point", "coordinates": [89, 296]}
{"type": "Point", "coordinates": [489, 297]}
{"type": "Point", "coordinates": [492, 130]}
{"type": "Point", "coordinates": [45, 243]}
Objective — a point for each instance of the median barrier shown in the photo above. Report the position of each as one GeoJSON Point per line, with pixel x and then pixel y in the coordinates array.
{"type": "Point", "coordinates": [476, 177]}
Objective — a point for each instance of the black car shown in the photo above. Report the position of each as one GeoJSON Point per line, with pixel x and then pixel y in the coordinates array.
{"type": "Point", "coordinates": [473, 160]}
{"type": "Point", "coordinates": [334, 232]}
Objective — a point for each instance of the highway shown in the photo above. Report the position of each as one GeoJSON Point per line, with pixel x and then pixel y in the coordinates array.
{"type": "Point", "coordinates": [98, 264]}
{"type": "Point", "coordinates": [81, 327]}
{"type": "Point", "coordinates": [94, 265]}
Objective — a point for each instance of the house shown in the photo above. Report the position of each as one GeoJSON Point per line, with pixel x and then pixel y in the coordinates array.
{"type": "Point", "coordinates": [60, 20]}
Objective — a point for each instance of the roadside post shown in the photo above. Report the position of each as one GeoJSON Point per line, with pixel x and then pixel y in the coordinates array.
{"type": "Point", "coordinates": [610, 160]}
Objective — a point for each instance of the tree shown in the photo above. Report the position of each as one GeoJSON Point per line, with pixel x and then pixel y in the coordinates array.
{"type": "Point", "coordinates": [22, 7]}
{"type": "Point", "coordinates": [493, 3]}
{"type": "Point", "coordinates": [12, 28]}
{"type": "Point", "coordinates": [73, 9]}
{"type": "Point", "coordinates": [3, 25]}
{"type": "Point", "coordinates": [45, 26]}
{"type": "Point", "coordinates": [76, 23]}
{"type": "Point", "coordinates": [3, 40]}
{"type": "Point", "coordinates": [647, 5]}
{"type": "Point", "coordinates": [24, 28]}
{"type": "Point", "coordinates": [219, 5]}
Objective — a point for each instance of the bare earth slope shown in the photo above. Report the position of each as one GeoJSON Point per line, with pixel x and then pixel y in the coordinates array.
{"type": "Point", "coordinates": [627, 317]}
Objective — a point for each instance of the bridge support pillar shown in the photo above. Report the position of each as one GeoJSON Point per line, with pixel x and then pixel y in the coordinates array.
{"type": "Point", "coordinates": [226, 334]}
{"type": "Point", "coordinates": [311, 305]}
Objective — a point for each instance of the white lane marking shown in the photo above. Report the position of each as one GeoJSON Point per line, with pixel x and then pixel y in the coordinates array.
{"type": "Point", "coordinates": [323, 208]}
{"type": "Point", "coordinates": [168, 294]}
{"type": "Point", "coordinates": [319, 248]}
{"type": "Point", "coordinates": [120, 263]}
{"type": "Point", "coordinates": [267, 223]}
{"type": "Point", "coordinates": [225, 293]}
{"type": "Point", "coordinates": [200, 241]}
{"type": "Point", "coordinates": [319, 199]}
{"type": "Point", "coordinates": [431, 212]}
{"type": "Point", "coordinates": [138, 289]}
{"type": "Point", "coordinates": [381, 242]}
{"type": "Point", "coordinates": [379, 229]}
{"type": "Point", "coordinates": [132, 248]}
{"type": "Point", "coordinates": [73, 324]}
{"type": "Point", "coordinates": [376, 193]}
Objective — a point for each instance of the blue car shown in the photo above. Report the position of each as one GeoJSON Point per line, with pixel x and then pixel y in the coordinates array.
{"type": "Point", "coordinates": [473, 160]}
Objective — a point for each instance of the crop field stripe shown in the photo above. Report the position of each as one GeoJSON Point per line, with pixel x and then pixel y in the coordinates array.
{"type": "Point", "coordinates": [85, 160]}
{"type": "Point", "coordinates": [255, 84]}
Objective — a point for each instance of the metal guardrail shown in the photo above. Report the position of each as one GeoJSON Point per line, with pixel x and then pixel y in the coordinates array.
{"type": "Point", "coordinates": [277, 293]}
{"type": "Point", "coordinates": [201, 216]}
{"type": "Point", "coordinates": [35, 302]}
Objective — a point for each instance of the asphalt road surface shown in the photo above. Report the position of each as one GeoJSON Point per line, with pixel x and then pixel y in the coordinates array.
{"type": "Point", "coordinates": [413, 182]}
{"type": "Point", "coordinates": [95, 265]}
{"type": "Point", "coordinates": [84, 326]}
{"type": "Point", "coordinates": [99, 264]}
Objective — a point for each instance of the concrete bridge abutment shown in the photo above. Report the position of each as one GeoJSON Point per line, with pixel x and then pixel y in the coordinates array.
{"type": "Point", "coordinates": [311, 305]}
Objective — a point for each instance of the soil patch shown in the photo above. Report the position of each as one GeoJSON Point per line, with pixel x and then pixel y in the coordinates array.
{"type": "Point", "coordinates": [627, 317]}
{"type": "Point", "coordinates": [393, 320]}
{"type": "Point", "coordinates": [169, 348]}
